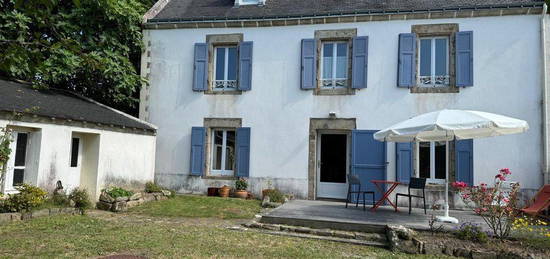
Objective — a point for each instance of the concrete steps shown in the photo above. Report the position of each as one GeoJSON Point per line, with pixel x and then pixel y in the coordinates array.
{"type": "Point", "coordinates": [359, 238]}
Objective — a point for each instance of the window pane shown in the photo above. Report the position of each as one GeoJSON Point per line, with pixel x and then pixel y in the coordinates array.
{"type": "Point", "coordinates": [230, 151]}
{"type": "Point", "coordinates": [74, 152]}
{"type": "Point", "coordinates": [439, 160]}
{"type": "Point", "coordinates": [217, 150]}
{"type": "Point", "coordinates": [232, 64]}
{"type": "Point", "coordinates": [342, 60]}
{"type": "Point", "coordinates": [441, 57]}
{"type": "Point", "coordinates": [327, 60]}
{"type": "Point", "coordinates": [220, 63]}
{"type": "Point", "coordinates": [18, 176]}
{"type": "Point", "coordinates": [425, 57]}
{"type": "Point", "coordinates": [424, 155]}
{"type": "Point", "coordinates": [21, 149]}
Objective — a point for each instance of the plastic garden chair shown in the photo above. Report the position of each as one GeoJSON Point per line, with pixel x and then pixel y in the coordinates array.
{"type": "Point", "coordinates": [541, 202]}
{"type": "Point", "coordinates": [353, 180]}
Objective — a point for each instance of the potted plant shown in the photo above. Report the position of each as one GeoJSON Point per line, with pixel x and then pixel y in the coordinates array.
{"type": "Point", "coordinates": [240, 188]}
{"type": "Point", "coordinates": [224, 191]}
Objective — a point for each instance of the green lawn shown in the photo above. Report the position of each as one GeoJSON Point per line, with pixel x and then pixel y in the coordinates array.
{"type": "Point", "coordinates": [186, 226]}
{"type": "Point", "coordinates": [200, 207]}
{"type": "Point", "coordinates": [89, 236]}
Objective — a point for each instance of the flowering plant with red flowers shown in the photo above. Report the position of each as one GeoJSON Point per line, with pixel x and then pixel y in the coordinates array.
{"type": "Point", "coordinates": [496, 205]}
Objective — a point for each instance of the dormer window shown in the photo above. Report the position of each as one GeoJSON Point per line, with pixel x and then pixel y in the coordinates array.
{"type": "Point", "coordinates": [249, 2]}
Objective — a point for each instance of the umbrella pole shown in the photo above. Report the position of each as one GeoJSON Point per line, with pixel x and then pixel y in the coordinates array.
{"type": "Point", "coordinates": [447, 218]}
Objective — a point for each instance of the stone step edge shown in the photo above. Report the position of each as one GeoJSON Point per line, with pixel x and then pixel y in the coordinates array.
{"type": "Point", "coordinates": [316, 237]}
{"type": "Point", "coordinates": [360, 236]}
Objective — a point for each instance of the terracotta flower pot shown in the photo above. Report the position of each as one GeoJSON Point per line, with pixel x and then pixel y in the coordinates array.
{"type": "Point", "coordinates": [242, 194]}
{"type": "Point", "coordinates": [224, 191]}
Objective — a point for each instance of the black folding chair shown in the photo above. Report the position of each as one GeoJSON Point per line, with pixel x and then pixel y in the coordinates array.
{"type": "Point", "coordinates": [415, 183]}
{"type": "Point", "coordinates": [353, 180]}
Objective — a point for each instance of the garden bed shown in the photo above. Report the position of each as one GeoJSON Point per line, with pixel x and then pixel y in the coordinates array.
{"type": "Point", "coordinates": [445, 243]}
{"type": "Point", "coordinates": [16, 216]}
{"type": "Point", "coordinates": [118, 204]}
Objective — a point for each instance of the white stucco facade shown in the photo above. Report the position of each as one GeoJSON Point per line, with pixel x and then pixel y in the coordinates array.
{"type": "Point", "coordinates": [106, 157]}
{"type": "Point", "coordinates": [507, 80]}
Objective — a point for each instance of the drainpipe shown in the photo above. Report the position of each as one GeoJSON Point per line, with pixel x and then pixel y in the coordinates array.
{"type": "Point", "coordinates": [545, 106]}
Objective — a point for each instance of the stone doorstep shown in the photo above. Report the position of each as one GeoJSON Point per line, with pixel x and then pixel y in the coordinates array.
{"type": "Point", "coordinates": [359, 236]}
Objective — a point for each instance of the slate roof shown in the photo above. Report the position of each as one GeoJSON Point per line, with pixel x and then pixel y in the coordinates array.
{"type": "Point", "coordinates": [62, 104]}
{"type": "Point", "coordinates": [194, 10]}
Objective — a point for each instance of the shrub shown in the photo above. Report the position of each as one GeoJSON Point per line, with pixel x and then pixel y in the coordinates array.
{"type": "Point", "coordinates": [28, 198]}
{"type": "Point", "coordinates": [241, 184]}
{"type": "Point", "coordinates": [60, 199]}
{"type": "Point", "coordinates": [116, 192]}
{"type": "Point", "coordinates": [152, 187]}
{"type": "Point", "coordinates": [472, 232]}
{"type": "Point", "coordinates": [275, 195]}
{"type": "Point", "coordinates": [81, 200]}
{"type": "Point", "coordinates": [497, 206]}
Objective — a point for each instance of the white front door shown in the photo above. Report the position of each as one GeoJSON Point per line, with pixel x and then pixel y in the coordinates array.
{"type": "Point", "coordinates": [75, 164]}
{"type": "Point", "coordinates": [332, 165]}
{"type": "Point", "coordinates": [15, 173]}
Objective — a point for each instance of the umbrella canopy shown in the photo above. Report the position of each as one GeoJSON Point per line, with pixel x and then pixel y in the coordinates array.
{"type": "Point", "coordinates": [447, 125]}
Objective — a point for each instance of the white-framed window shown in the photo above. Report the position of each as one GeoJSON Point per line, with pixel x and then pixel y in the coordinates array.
{"type": "Point", "coordinates": [19, 150]}
{"type": "Point", "coordinates": [434, 61]}
{"type": "Point", "coordinates": [75, 152]}
{"type": "Point", "coordinates": [432, 157]}
{"type": "Point", "coordinates": [225, 68]}
{"type": "Point", "coordinates": [223, 152]}
{"type": "Point", "coordinates": [334, 64]}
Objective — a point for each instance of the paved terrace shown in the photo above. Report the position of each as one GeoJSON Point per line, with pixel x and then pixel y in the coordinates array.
{"type": "Point", "coordinates": [334, 215]}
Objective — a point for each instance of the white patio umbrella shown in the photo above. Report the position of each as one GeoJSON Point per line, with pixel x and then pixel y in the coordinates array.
{"type": "Point", "coordinates": [449, 125]}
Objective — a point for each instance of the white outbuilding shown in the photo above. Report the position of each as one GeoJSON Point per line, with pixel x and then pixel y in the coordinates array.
{"type": "Point", "coordinates": [61, 136]}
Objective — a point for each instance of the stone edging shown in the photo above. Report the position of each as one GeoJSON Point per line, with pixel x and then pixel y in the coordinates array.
{"type": "Point", "coordinates": [118, 204]}
{"type": "Point", "coordinates": [17, 216]}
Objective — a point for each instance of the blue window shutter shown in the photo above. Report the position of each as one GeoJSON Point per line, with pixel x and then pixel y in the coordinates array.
{"type": "Point", "coordinates": [200, 67]}
{"type": "Point", "coordinates": [404, 162]}
{"type": "Point", "coordinates": [360, 62]}
{"type": "Point", "coordinates": [464, 161]}
{"type": "Point", "coordinates": [243, 152]}
{"type": "Point", "coordinates": [245, 66]}
{"type": "Point", "coordinates": [406, 60]}
{"type": "Point", "coordinates": [368, 159]}
{"type": "Point", "coordinates": [198, 135]}
{"type": "Point", "coordinates": [464, 58]}
{"type": "Point", "coordinates": [309, 64]}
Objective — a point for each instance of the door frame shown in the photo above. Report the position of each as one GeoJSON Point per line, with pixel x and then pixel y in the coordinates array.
{"type": "Point", "coordinates": [318, 158]}
{"type": "Point", "coordinates": [10, 166]}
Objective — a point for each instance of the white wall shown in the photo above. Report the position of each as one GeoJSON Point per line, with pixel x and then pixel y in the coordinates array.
{"type": "Point", "coordinates": [124, 158]}
{"type": "Point", "coordinates": [506, 81]}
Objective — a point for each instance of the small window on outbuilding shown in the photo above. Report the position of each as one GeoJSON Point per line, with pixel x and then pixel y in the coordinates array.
{"type": "Point", "coordinates": [75, 145]}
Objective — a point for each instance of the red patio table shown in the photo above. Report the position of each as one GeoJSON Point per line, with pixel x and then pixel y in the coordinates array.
{"type": "Point", "coordinates": [386, 194]}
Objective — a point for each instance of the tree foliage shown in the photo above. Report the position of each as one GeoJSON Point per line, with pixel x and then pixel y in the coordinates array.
{"type": "Point", "coordinates": [92, 47]}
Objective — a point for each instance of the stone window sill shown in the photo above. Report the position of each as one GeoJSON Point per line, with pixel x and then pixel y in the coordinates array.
{"type": "Point", "coordinates": [335, 91]}
{"type": "Point", "coordinates": [434, 90]}
{"type": "Point", "coordinates": [237, 92]}
{"type": "Point", "coordinates": [211, 177]}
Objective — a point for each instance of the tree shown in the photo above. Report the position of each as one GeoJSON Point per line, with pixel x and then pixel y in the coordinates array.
{"type": "Point", "coordinates": [92, 47]}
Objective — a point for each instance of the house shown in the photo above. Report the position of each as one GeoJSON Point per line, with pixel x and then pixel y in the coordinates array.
{"type": "Point", "coordinates": [61, 136]}
{"type": "Point", "coordinates": [289, 93]}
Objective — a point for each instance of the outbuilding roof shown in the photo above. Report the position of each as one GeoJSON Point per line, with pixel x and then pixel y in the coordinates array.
{"type": "Point", "coordinates": [197, 10]}
{"type": "Point", "coordinates": [63, 105]}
